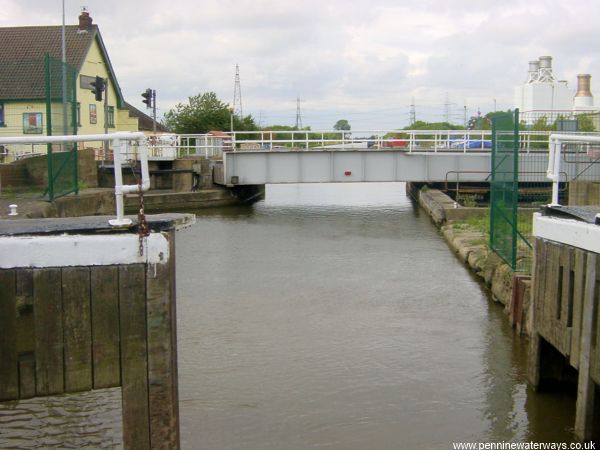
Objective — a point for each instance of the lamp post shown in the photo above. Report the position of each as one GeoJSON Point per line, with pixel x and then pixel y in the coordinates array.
{"type": "Point", "coordinates": [64, 73]}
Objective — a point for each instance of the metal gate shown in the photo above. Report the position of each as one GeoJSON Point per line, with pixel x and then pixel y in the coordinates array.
{"type": "Point", "coordinates": [61, 119]}
{"type": "Point", "coordinates": [508, 237]}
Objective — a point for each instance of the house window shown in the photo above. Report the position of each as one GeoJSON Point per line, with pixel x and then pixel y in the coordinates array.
{"type": "Point", "coordinates": [2, 123]}
{"type": "Point", "coordinates": [78, 114]}
{"type": "Point", "coordinates": [110, 116]}
{"type": "Point", "coordinates": [85, 82]}
{"type": "Point", "coordinates": [32, 123]}
{"type": "Point", "coordinates": [93, 113]}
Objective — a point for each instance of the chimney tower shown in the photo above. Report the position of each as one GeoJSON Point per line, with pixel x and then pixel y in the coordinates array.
{"type": "Point", "coordinates": [583, 97]}
{"type": "Point", "coordinates": [534, 71]}
{"type": "Point", "coordinates": [545, 73]}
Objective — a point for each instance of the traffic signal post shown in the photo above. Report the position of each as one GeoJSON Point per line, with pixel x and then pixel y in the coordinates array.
{"type": "Point", "coordinates": [150, 101]}
{"type": "Point", "coordinates": [98, 86]}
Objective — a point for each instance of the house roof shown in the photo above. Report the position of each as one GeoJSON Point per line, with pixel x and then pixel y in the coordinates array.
{"type": "Point", "coordinates": [22, 55]}
{"type": "Point", "coordinates": [144, 120]}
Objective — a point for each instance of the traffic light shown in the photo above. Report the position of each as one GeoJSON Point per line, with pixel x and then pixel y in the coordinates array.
{"type": "Point", "coordinates": [97, 88]}
{"type": "Point", "coordinates": [147, 97]}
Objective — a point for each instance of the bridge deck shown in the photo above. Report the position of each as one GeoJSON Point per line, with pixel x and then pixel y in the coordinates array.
{"type": "Point", "coordinates": [365, 165]}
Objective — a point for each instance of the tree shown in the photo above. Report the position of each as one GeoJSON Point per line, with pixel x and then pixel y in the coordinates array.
{"type": "Point", "coordinates": [204, 113]}
{"type": "Point", "coordinates": [542, 124]}
{"type": "Point", "coordinates": [420, 125]}
{"type": "Point", "coordinates": [342, 124]}
{"type": "Point", "coordinates": [585, 123]}
{"type": "Point", "coordinates": [485, 122]}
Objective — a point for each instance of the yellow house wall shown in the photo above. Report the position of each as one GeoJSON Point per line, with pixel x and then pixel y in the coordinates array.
{"type": "Point", "coordinates": [125, 122]}
{"type": "Point", "coordinates": [13, 119]}
{"type": "Point", "coordinates": [95, 65]}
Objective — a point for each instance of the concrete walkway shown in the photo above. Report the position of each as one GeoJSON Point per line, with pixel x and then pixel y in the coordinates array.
{"type": "Point", "coordinates": [88, 202]}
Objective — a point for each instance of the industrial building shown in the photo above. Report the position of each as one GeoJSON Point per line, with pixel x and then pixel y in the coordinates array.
{"type": "Point", "coordinates": [545, 97]}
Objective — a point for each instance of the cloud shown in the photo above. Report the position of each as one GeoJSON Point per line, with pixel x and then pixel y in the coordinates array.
{"type": "Point", "coordinates": [365, 61]}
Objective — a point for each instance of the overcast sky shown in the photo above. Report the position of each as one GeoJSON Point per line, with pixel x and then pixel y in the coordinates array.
{"type": "Point", "coordinates": [361, 60]}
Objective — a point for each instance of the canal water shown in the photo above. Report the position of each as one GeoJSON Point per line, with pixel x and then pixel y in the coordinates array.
{"type": "Point", "coordinates": [336, 317]}
{"type": "Point", "coordinates": [326, 317]}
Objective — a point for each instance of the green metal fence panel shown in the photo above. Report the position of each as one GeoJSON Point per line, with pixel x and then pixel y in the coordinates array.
{"type": "Point", "coordinates": [61, 119]}
{"type": "Point", "coordinates": [513, 196]}
{"type": "Point", "coordinates": [504, 189]}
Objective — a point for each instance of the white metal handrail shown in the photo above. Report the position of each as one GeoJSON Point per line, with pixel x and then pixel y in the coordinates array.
{"type": "Point", "coordinates": [120, 141]}
{"type": "Point", "coordinates": [379, 139]}
{"type": "Point", "coordinates": [555, 149]}
{"type": "Point", "coordinates": [172, 146]}
{"type": "Point", "coordinates": [409, 140]}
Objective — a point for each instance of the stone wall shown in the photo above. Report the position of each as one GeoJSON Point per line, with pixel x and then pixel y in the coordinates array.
{"type": "Point", "coordinates": [33, 171]}
{"type": "Point", "coordinates": [471, 247]}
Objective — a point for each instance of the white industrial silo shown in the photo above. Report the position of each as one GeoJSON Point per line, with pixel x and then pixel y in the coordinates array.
{"type": "Point", "coordinates": [534, 71]}
{"type": "Point", "coordinates": [542, 93]}
{"type": "Point", "coordinates": [545, 74]}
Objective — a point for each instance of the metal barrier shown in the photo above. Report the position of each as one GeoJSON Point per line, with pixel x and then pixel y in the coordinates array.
{"type": "Point", "coordinates": [582, 150]}
{"type": "Point", "coordinates": [120, 143]}
{"type": "Point", "coordinates": [409, 140]}
{"type": "Point", "coordinates": [169, 147]}
{"type": "Point", "coordinates": [508, 238]}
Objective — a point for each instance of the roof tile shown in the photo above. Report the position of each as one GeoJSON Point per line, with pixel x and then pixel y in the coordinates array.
{"type": "Point", "coordinates": [22, 53]}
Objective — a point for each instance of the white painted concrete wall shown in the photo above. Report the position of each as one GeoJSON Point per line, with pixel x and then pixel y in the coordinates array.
{"type": "Point", "coordinates": [81, 250]}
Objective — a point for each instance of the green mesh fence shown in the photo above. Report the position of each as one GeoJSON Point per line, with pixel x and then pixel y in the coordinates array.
{"type": "Point", "coordinates": [509, 229]}
{"type": "Point", "coordinates": [61, 119]}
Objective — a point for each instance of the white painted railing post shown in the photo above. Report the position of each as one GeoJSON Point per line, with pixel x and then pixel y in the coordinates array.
{"type": "Point", "coordinates": [117, 139]}
{"type": "Point", "coordinates": [120, 188]}
{"type": "Point", "coordinates": [553, 172]}
{"type": "Point", "coordinates": [120, 220]}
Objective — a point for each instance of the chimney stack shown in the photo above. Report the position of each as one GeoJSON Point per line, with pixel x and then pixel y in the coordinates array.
{"type": "Point", "coordinates": [584, 96]}
{"type": "Point", "coordinates": [545, 72]}
{"type": "Point", "coordinates": [85, 21]}
{"type": "Point", "coordinates": [534, 71]}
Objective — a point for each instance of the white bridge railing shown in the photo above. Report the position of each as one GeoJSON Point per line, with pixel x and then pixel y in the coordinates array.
{"type": "Point", "coordinates": [168, 147]}
{"type": "Point", "coordinates": [583, 151]}
{"type": "Point", "coordinates": [409, 140]}
{"type": "Point", "coordinates": [121, 144]}
{"type": "Point", "coordinates": [172, 146]}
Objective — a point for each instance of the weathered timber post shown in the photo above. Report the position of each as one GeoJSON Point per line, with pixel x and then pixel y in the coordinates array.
{"type": "Point", "coordinates": [81, 309]}
{"type": "Point", "coordinates": [565, 304]}
{"type": "Point", "coordinates": [584, 414]}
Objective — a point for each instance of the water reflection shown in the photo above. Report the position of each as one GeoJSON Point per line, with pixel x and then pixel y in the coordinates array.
{"type": "Point", "coordinates": [85, 420]}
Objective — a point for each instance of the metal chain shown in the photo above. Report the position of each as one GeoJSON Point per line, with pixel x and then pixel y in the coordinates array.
{"type": "Point", "coordinates": [143, 230]}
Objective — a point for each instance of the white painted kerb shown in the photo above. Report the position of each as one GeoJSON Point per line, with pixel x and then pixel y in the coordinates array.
{"type": "Point", "coordinates": [567, 231]}
{"type": "Point", "coordinates": [81, 250]}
